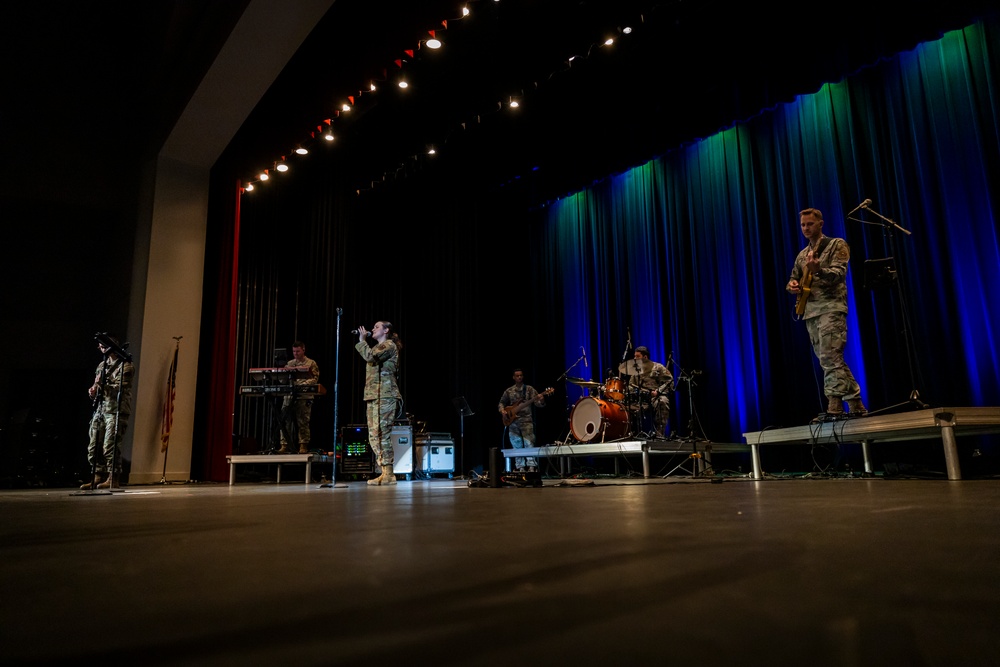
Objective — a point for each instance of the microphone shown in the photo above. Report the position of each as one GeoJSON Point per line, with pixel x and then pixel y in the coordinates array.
{"type": "Point", "coordinates": [865, 204]}
{"type": "Point", "coordinates": [584, 357]}
{"type": "Point", "coordinates": [368, 334]}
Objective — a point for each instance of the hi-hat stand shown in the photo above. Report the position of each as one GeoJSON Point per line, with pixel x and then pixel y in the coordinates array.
{"type": "Point", "coordinates": [879, 273]}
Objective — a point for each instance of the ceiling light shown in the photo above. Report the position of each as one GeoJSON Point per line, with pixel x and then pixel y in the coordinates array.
{"type": "Point", "coordinates": [328, 135]}
{"type": "Point", "coordinates": [263, 175]}
{"type": "Point", "coordinates": [301, 151]}
{"type": "Point", "coordinates": [403, 84]}
{"type": "Point", "coordinates": [433, 43]}
{"type": "Point", "coordinates": [282, 166]}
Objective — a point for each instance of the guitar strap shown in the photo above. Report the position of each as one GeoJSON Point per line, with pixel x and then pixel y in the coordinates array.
{"type": "Point", "coordinates": [823, 243]}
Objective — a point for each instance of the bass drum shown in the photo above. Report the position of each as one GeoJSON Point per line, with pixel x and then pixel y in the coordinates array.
{"type": "Point", "coordinates": [599, 421]}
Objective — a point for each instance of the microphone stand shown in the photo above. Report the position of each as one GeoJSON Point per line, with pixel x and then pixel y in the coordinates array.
{"type": "Point", "coordinates": [98, 400]}
{"type": "Point", "coordinates": [336, 402]}
{"type": "Point", "coordinates": [689, 378]}
{"type": "Point", "coordinates": [887, 226]}
{"type": "Point", "coordinates": [115, 454]}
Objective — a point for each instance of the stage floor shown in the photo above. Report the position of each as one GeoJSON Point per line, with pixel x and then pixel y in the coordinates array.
{"type": "Point", "coordinates": [678, 570]}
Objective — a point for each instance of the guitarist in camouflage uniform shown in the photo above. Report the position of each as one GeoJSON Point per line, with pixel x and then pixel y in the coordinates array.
{"type": "Point", "coordinates": [819, 276]}
{"type": "Point", "coordinates": [382, 397]}
{"type": "Point", "coordinates": [112, 396]}
{"type": "Point", "coordinates": [519, 400]}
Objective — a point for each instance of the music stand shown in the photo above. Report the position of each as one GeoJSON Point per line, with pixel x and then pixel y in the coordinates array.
{"type": "Point", "coordinates": [462, 406]}
{"type": "Point", "coordinates": [880, 273]}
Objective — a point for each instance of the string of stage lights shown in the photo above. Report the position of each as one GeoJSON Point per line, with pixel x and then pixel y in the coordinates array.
{"type": "Point", "coordinates": [324, 132]}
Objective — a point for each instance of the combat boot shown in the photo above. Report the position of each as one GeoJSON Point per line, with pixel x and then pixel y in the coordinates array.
{"type": "Point", "coordinates": [835, 406]}
{"type": "Point", "coordinates": [856, 407]}
{"type": "Point", "coordinates": [94, 484]}
{"type": "Point", "coordinates": [304, 448]}
{"type": "Point", "coordinates": [388, 477]}
{"type": "Point", "coordinates": [110, 483]}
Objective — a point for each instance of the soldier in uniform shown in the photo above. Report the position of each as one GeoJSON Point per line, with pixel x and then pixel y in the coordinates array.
{"type": "Point", "coordinates": [112, 409]}
{"type": "Point", "coordinates": [297, 409]}
{"type": "Point", "coordinates": [382, 397]}
{"type": "Point", "coordinates": [652, 382]}
{"type": "Point", "coordinates": [825, 260]}
{"type": "Point", "coordinates": [521, 431]}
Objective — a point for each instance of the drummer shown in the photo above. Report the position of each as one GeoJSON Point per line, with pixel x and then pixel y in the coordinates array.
{"type": "Point", "coordinates": [651, 383]}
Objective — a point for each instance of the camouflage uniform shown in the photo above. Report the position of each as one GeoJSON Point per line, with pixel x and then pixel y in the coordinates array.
{"type": "Point", "coordinates": [102, 426]}
{"type": "Point", "coordinates": [655, 376]}
{"type": "Point", "coordinates": [381, 396]}
{"type": "Point", "coordinates": [298, 410]}
{"type": "Point", "coordinates": [522, 430]}
{"type": "Point", "coordinates": [826, 316]}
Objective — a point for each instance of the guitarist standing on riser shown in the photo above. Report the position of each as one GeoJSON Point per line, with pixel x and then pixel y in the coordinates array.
{"type": "Point", "coordinates": [819, 281]}
{"type": "Point", "coordinates": [517, 402]}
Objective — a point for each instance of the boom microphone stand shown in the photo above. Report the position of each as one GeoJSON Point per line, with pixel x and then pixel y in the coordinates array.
{"type": "Point", "coordinates": [891, 274]}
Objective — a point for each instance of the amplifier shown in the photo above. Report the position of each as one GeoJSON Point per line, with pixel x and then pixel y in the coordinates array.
{"type": "Point", "coordinates": [355, 454]}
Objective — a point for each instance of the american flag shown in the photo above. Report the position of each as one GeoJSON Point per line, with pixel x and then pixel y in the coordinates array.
{"type": "Point", "coordinates": [168, 401]}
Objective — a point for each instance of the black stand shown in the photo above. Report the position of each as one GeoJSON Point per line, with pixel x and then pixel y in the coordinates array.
{"type": "Point", "coordinates": [336, 378]}
{"type": "Point", "coordinates": [688, 377]}
{"type": "Point", "coordinates": [462, 406]}
{"type": "Point", "coordinates": [880, 273]}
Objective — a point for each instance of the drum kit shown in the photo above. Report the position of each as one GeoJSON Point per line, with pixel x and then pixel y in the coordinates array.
{"type": "Point", "coordinates": [614, 410]}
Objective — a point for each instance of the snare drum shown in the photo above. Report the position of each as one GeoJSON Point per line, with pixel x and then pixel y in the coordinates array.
{"type": "Point", "coordinates": [595, 420]}
{"type": "Point", "coordinates": [614, 389]}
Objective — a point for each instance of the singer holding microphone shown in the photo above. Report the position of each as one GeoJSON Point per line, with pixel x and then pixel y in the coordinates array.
{"type": "Point", "coordinates": [822, 266]}
{"type": "Point", "coordinates": [383, 401]}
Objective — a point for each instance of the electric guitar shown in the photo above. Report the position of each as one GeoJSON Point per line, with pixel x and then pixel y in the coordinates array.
{"type": "Point", "coordinates": [805, 287]}
{"type": "Point", "coordinates": [510, 412]}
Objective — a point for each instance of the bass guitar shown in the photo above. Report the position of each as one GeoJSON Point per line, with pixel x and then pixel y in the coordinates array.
{"type": "Point", "coordinates": [510, 412]}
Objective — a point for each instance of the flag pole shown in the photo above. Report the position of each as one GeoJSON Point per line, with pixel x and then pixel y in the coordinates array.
{"type": "Point", "coordinates": [168, 408]}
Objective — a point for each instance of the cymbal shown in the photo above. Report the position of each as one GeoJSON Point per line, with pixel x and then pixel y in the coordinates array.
{"type": "Point", "coordinates": [583, 383]}
{"type": "Point", "coordinates": [628, 367]}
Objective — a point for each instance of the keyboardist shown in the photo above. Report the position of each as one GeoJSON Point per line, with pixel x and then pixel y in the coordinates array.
{"type": "Point", "coordinates": [297, 407]}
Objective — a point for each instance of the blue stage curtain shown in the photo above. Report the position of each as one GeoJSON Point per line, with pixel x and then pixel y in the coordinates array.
{"type": "Point", "coordinates": [689, 253]}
